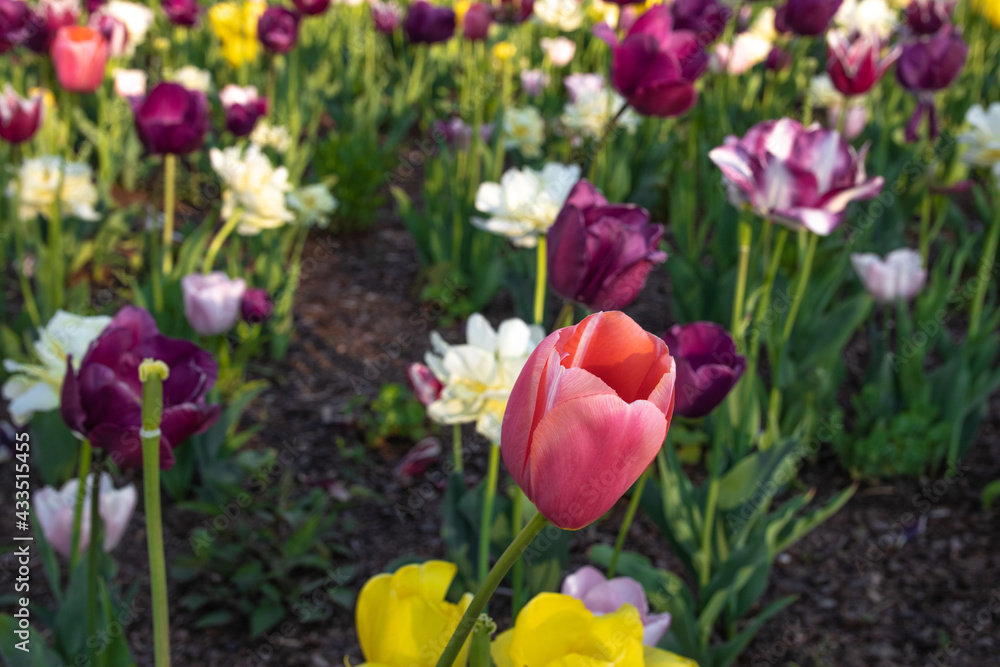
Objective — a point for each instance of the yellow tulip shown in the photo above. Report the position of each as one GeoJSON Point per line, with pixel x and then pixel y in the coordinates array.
{"type": "Point", "coordinates": [504, 51]}
{"type": "Point", "coordinates": [403, 619]}
{"type": "Point", "coordinates": [461, 7]}
{"type": "Point", "coordinates": [556, 630]}
{"type": "Point", "coordinates": [990, 9]}
{"type": "Point", "coordinates": [235, 24]}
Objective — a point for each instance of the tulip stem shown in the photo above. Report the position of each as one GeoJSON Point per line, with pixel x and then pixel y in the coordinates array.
{"type": "Point", "coordinates": [86, 456]}
{"type": "Point", "coordinates": [220, 238]}
{"type": "Point", "coordinates": [745, 236]}
{"type": "Point", "coordinates": [169, 196]}
{"type": "Point", "coordinates": [516, 520]}
{"type": "Point", "coordinates": [152, 374]}
{"type": "Point", "coordinates": [985, 270]}
{"type": "Point", "coordinates": [705, 560]}
{"type": "Point", "coordinates": [456, 447]}
{"type": "Point", "coordinates": [566, 316]}
{"type": "Point", "coordinates": [27, 294]}
{"type": "Point", "coordinates": [541, 279]}
{"type": "Point", "coordinates": [488, 586]}
{"type": "Point", "coordinates": [93, 556]}
{"type": "Point", "coordinates": [633, 506]}
{"type": "Point", "coordinates": [800, 287]}
{"type": "Point", "coordinates": [486, 524]}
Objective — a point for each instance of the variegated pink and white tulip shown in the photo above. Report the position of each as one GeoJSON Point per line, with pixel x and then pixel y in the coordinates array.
{"type": "Point", "coordinates": [901, 275]}
{"type": "Point", "coordinates": [801, 177]}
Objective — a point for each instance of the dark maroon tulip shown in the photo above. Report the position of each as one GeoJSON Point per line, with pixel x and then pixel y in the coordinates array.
{"type": "Point", "coordinates": [778, 59]}
{"type": "Point", "coordinates": [278, 29]}
{"type": "Point", "coordinates": [926, 17]}
{"type": "Point", "coordinates": [94, 5]}
{"type": "Point", "coordinates": [622, 3]}
{"type": "Point", "coordinates": [15, 19]}
{"type": "Point", "coordinates": [416, 462]}
{"type": "Point", "coordinates": [927, 65]}
{"type": "Point", "coordinates": [257, 305]}
{"type": "Point", "coordinates": [243, 108]}
{"type": "Point", "coordinates": [708, 366]}
{"type": "Point", "coordinates": [182, 12]}
{"type": "Point", "coordinates": [172, 119]}
{"type": "Point", "coordinates": [806, 17]}
{"type": "Point", "coordinates": [476, 24]}
{"type": "Point", "coordinates": [514, 11]}
{"type": "Point", "coordinates": [427, 24]}
{"type": "Point", "coordinates": [705, 18]}
{"type": "Point", "coordinates": [19, 117]}
{"type": "Point", "coordinates": [103, 400]}
{"type": "Point", "coordinates": [386, 16]}
{"type": "Point", "coordinates": [312, 7]}
{"type": "Point", "coordinates": [854, 67]}
{"type": "Point", "coordinates": [426, 387]}
{"type": "Point", "coordinates": [655, 67]}
{"type": "Point", "coordinates": [600, 254]}
{"type": "Point", "coordinates": [42, 24]}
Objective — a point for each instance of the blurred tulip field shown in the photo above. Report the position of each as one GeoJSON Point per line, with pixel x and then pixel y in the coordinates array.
{"type": "Point", "coordinates": [526, 333]}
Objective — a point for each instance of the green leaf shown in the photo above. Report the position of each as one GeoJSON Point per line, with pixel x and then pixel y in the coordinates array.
{"type": "Point", "coordinates": [726, 654]}
{"type": "Point", "coordinates": [38, 653]}
{"type": "Point", "coordinates": [266, 617]}
{"type": "Point", "coordinates": [990, 493]}
{"type": "Point", "coordinates": [302, 539]}
{"type": "Point", "coordinates": [215, 618]}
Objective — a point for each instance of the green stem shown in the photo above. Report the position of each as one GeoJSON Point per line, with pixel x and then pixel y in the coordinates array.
{"type": "Point", "coordinates": [541, 279]}
{"type": "Point", "coordinates": [488, 586]}
{"type": "Point", "coordinates": [516, 521]}
{"type": "Point", "coordinates": [800, 287]}
{"type": "Point", "coordinates": [27, 293]}
{"type": "Point", "coordinates": [633, 506]}
{"type": "Point", "coordinates": [486, 524]}
{"type": "Point", "coordinates": [93, 556]}
{"type": "Point", "coordinates": [565, 317]}
{"type": "Point", "coordinates": [152, 412]}
{"type": "Point", "coordinates": [985, 270]}
{"type": "Point", "coordinates": [86, 455]}
{"type": "Point", "coordinates": [705, 571]}
{"type": "Point", "coordinates": [220, 238]}
{"type": "Point", "coordinates": [169, 195]}
{"type": "Point", "coordinates": [745, 236]}
{"type": "Point", "coordinates": [925, 220]}
{"type": "Point", "coordinates": [456, 447]}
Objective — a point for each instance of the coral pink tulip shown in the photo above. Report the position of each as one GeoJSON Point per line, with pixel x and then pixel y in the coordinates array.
{"type": "Point", "coordinates": [587, 414]}
{"type": "Point", "coordinates": [79, 55]}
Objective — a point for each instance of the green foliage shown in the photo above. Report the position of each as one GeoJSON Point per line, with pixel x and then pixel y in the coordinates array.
{"type": "Point", "coordinates": [393, 414]}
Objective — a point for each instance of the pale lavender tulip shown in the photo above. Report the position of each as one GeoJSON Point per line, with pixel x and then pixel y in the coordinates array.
{"type": "Point", "coordinates": [603, 596]}
{"type": "Point", "coordinates": [901, 275]}
{"type": "Point", "coordinates": [54, 509]}
{"type": "Point", "coordinates": [533, 81]}
{"type": "Point", "coordinates": [212, 301]}
{"type": "Point", "coordinates": [802, 177]}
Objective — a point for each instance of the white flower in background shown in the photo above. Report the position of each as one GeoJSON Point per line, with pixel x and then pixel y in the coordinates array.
{"type": "Point", "coordinates": [867, 17]}
{"type": "Point", "coordinates": [138, 19]}
{"type": "Point", "coordinates": [589, 114]}
{"type": "Point", "coordinates": [254, 186]}
{"type": "Point", "coordinates": [54, 509]}
{"type": "Point", "coordinates": [314, 204]}
{"type": "Point", "coordinates": [566, 15]}
{"type": "Point", "coordinates": [192, 78]}
{"type": "Point", "coordinates": [559, 50]}
{"type": "Point", "coordinates": [749, 48]}
{"type": "Point", "coordinates": [479, 375]}
{"type": "Point", "coordinates": [525, 202]}
{"type": "Point", "coordinates": [763, 25]}
{"type": "Point", "coordinates": [524, 129]}
{"type": "Point", "coordinates": [983, 138]}
{"type": "Point", "coordinates": [266, 135]}
{"type": "Point", "coordinates": [36, 387]}
{"type": "Point", "coordinates": [580, 85]}
{"type": "Point", "coordinates": [900, 276]}
{"type": "Point", "coordinates": [39, 181]}
{"type": "Point", "coordinates": [130, 82]}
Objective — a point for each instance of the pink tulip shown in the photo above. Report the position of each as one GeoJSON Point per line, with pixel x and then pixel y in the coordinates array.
{"type": "Point", "coordinates": [601, 595]}
{"type": "Point", "coordinates": [212, 302]}
{"type": "Point", "coordinates": [426, 387]}
{"type": "Point", "coordinates": [900, 276]}
{"type": "Point", "coordinates": [587, 415]}
{"type": "Point", "coordinates": [79, 55]}
{"type": "Point", "coordinates": [856, 66]}
{"type": "Point", "coordinates": [54, 509]}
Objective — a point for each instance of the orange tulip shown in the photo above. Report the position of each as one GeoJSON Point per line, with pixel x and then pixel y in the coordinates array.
{"type": "Point", "coordinates": [587, 415]}
{"type": "Point", "coordinates": [79, 55]}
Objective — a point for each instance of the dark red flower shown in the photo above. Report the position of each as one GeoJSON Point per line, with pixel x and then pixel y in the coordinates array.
{"type": "Point", "coordinates": [427, 24]}
{"type": "Point", "coordinates": [278, 29]}
{"type": "Point", "coordinates": [708, 366]}
{"type": "Point", "coordinates": [172, 119]}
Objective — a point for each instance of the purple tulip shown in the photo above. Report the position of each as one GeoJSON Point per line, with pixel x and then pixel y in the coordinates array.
{"type": "Point", "coordinates": [103, 400]}
{"type": "Point", "coordinates": [182, 12]}
{"type": "Point", "coordinates": [533, 82]}
{"type": "Point", "coordinates": [257, 306]}
{"type": "Point", "coordinates": [243, 108]}
{"type": "Point", "coordinates": [806, 17]}
{"type": "Point", "coordinates": [212, 302]}
{"type": "Point", "coordinates": [20, 118]}
{"type": "Point", "coordinates": [926, 17]}
{"type": "Point", "coordinates": [655, 67]}
{"type": "Point", "coordinates": [778, 59]}
{"type": "Point", "coordinates": [927, 65]}
{"type": "Point", "coordinates": [477, 20]}
{"type": "Point", "coordinates": [708, 366]}
{"type": "Point", "coordinates": [44, 21]}
{"type": "Point", "coordinates": [705, 18]}
{"type": "Point", "coordinates": [94, 5]}
{"type": "Point", "coordinates": [278, 29]}
{"type": "Point", "coordinates": [427, 24]}
{"type": "Point", "coordinates": [802, 177]}
{"type": "Point", "coordinates": [386, 16]}
{"type": "Point", "coordinates": [172, 119]}
{"type": "Point", "coordinates": [605, 596]}
{"type": "Point", "coordinates": [854, 67]}
{"type": "Point", "coordinates": [426, 386]}
{"type": "Point", "coordinates": [312, 7]}
{"type": "Point", "coordinates": [600, 254]}
{"type": "Point", "coordinates": [15, 20]}
{"type": "Point", "coordinates": [514, 11]}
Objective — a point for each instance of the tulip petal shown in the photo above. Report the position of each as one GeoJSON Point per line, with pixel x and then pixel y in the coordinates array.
{"type": "Point", "coordinates": [581, 582]}
{"type": "Point", "coordinates": [656, 626]}
{"type": "Point", "coordinates": [571, 443]}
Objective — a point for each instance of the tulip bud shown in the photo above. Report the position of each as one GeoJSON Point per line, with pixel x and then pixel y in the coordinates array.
{"type": "Point", "coordinates": [182, 12]}
{"type": "Point", "coordinates": [926, 17]}
{"type": "Point", "coordinates": [778, 59]}
{"type": "Point", "coordinates": [705, 18]}
{"type": "Point", "coordinates": [79, 56]}
{"type": "Point", "coordinates": [533, 81]}
{"type": "Point", "coordinates": [172, 119]}
{"type": "Point", "coordinates": [708, 366]}
{"type": "Point", "coordinates": [419, 458]}
{"type": "Point", "coordinates": [256, 306]}
{"type": "Point", "coordinates": [476, 23]}
{"type": "Point", "coordinates": [586, 416]}
{"type": "Point", "coordinates": [312, 7]}
{"type": "Point", "coordinates": [932, 64]}
{"type": "Point", "coordinates": [278, 29]}
{"type": "Point", "coordinates": [515, 11]}
{"type": "Point", "coordinates": [212, 302]}
{"type": "Point", "coordinates": [426, 387]}
{"type": "Point", "coordinates": [386, 16]}
{"type": "Point", "coordinates": [243, 108]}
{"type": "Point", "coordinates": [854, 67]}
{"type": "Point", "coordinates": [46, 20]}
{"type": "Point", "coordinates": [900, 276]}
{"type": "Point", "coordinates": [806, 17]}
{"type": "Point", "coordinates": [55, 510]}
{"type": "Point", "coordinates": [427, 24]}
{"type": "Point", "coordinates": [15, 22]}
{"type": "Point", "coordinates": [20, 118]}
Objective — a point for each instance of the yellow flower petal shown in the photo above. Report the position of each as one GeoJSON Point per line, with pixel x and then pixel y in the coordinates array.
{"type": "Point", "coordinates": [656, 657]}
